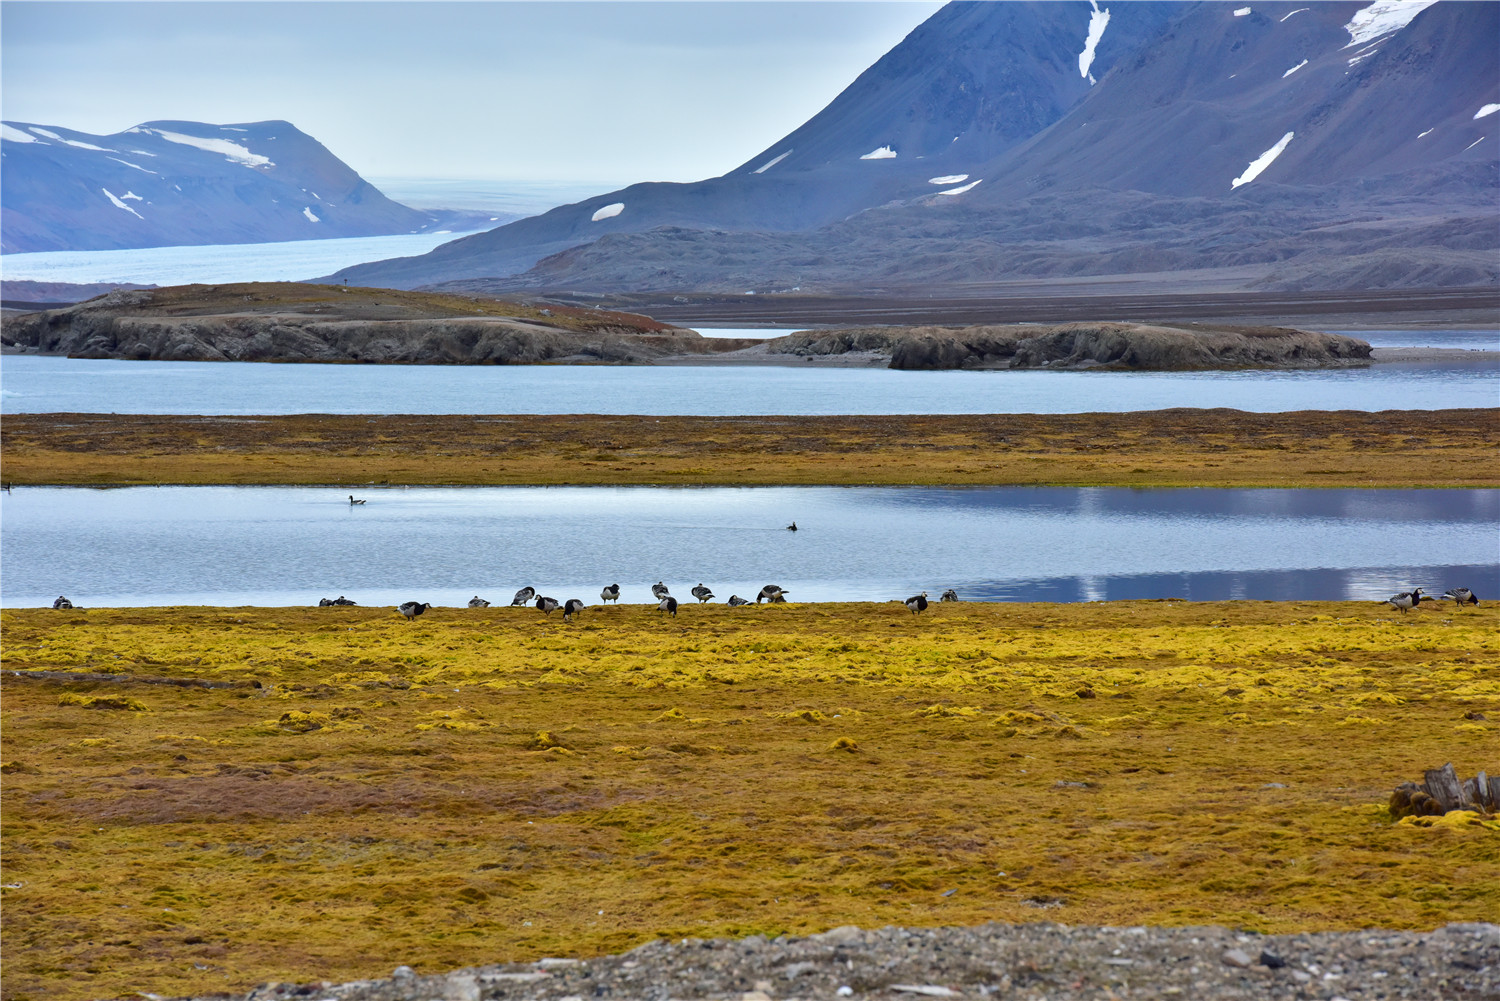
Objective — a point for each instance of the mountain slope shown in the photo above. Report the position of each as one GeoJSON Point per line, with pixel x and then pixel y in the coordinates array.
{"type": "Point", "coordinates": [967, 83]}
{"type": "Point", "coordinates": [183, 183]}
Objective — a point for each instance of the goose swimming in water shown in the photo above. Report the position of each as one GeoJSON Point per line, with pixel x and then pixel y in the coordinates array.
{"type": "Point", "coordinates": [702, 594]}
{"type": "Point", "coordinates": [792, 527]}
{"type": "Point", "coordinates": [950, 595]}
{"type": "Point", "coordinates": [1461, 596]}
{"type": "Point", "coordinates": [572, 608]}
{"type": "Point", "coordinates": [771, 593]}
{"type": "Point", "coordinates": [62, 602]}
{"type": "Point", "coordinates": [478, 602]}
{"type": "Point", "coordinates": [735, 601]}
{"type": "Point", "coordinates": [353, 502]}
{"type": "Point", "coordinates": [659, 590]}
{"type": "Point", "coordinates": [411, 609]}
{"type": "Point", "coordinates": [523, 596]}
{"type": "Point", "coordinates": [611, 593]}
{"type": "Point", "coordinates": [548, 605]}
{"type": "Point", "coordinates": [1406, 599]}
{"type": "Point", "coordinates": [667, 604]}
{"type": "Point", "coordinates": [917, 603]}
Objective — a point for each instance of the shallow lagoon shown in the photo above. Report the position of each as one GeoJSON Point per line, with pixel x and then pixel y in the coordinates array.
{"type": "Point", "coordinates": [292, 546]}
{"type": "Point", "coordinates": [31, 384]}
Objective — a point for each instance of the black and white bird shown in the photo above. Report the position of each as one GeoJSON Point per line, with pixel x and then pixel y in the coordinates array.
{"type": "Point", "coordinates": [341, 600]}
{"type": "Point", "coordinates": [950, 595]}
{"type": "Point", "coordinates": [792, 527]}
{"type": "Point", "coordinates": [353, 502]}
{"type": "Point", "coordinates": [702, 593]}
{"type": "Point", "coordinates": [548, 605]}
{"type": "Point", "coordinates": [478, 602]}
{"type": "Point", "coordinates": [322, 603]}
{"type": "Point", "coordinates": [917, 603]}
{"type": "Point", "coordinates": [735, 600]}
{"type": "Point", "coordinates": [611, 593]}
{"type": "Point", "coordinates": [411, 609]}
{"type": "Point", "coordinates": [659, 590]}
{"type": "Point", "coordinates": [62, 602]}
{"type": "Point", "coordinates": [523, 596]}
{"type": "Point", "coordinates": [572, 608]}
{"type": "Point", "coordinates": [771, 593]}
{"type": "Point", "coordinates": [1406, 599]}
{"type": "Point", "coordinates": [667, 604]}
{"type": "Point", "coordinates": [1461, 596]}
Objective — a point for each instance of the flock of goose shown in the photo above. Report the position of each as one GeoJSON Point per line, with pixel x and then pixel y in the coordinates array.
{"type": "Point", "coordinates": [1407, 600]}
{"type": "Point", "coordinates": [660, 593]}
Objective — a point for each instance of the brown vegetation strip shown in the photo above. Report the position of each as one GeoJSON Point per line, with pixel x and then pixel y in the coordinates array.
{"type": "Point", "coordinates": [1166, 448]}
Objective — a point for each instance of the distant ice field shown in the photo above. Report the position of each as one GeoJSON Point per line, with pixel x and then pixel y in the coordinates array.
{"type": "Point", "coordinates": [295, 260]}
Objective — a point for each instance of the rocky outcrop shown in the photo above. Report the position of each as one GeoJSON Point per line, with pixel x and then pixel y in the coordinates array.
{"type": "Point", "coordinates": [326, 326]}
{"type": "Point", "coordinates": [1086, 345]}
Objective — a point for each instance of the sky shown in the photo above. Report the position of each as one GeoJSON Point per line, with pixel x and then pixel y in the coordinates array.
{"type": "Point", "coordinates": [542, 91]}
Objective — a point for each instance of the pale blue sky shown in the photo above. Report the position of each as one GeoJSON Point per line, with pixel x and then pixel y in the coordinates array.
{"type": "Point", "coordinates": [565, 91]}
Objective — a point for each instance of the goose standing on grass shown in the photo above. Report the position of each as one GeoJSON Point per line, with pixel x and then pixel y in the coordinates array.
{"type": "Point", "coordinates": [572, 608]}
{"type": "Point", "coordinates": [917, 603]}
{"type": "Point", "coordinates": [771, 593]}
{"type": "Point", "coordinates": [62, 602]}
{"type": "Point", "coordinates": [1406, 599]}
{"type": "Point", "coordinates": [322, 603]}
{"type": "Point", "coordinates": [411, 609]}
{"type": "Point", "coordinates": [478, 602]}
{"type": "Point", "coordinates": [548, 605]}
{"type": "Point", "coordinates": [611, 593]}
{"type": "Point", "coordinates": [355, 503]}
{"type": "Point", "coordinates": [950, 595]}
{"type": "Point", "coordinates": [659, 590]}
{"type": "Point", "coordinates": [702, 593]}
{"type": "Point", "coordinates": [523, 597]}
{"type": "Point", "coordinates": [735, 601]}
{"type": "Point", "coordinates": [1461, 596]}
{"type": "Point", "coordinates": [667, 604]}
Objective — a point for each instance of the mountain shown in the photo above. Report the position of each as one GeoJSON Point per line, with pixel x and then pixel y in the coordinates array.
{"type": "Point", "coordinates": [1331, 145]}
{"type": "Point", "coordinates": [183, 184]}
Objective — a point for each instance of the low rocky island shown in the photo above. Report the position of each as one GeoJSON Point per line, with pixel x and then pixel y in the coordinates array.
{"type": "Point", "coordinates": [292, 322]}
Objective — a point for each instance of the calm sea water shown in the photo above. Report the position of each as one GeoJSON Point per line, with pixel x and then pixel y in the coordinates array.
{"type": "Point", "coordinates": [30, 384]}
{"type": "Point", "coordinates": [292, 546]}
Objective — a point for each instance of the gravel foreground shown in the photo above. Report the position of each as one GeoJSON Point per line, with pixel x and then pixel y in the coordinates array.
{"type": "Point", "coordinates": [1051, 961]}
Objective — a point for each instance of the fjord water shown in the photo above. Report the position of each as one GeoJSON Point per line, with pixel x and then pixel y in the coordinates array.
{"type": "Point", "coordinates": [31, 384]}
{"type": "Point", "coordinates": [292, 546]}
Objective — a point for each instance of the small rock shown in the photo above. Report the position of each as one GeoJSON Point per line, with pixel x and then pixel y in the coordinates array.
{"type": "Point", "coordinates": [844, 991]}
{"type": "Point", "coordinates": [1270, 960]}
{"type": "Point", "coordinates": [793, 970]}
{"type": "Point", "coordinates": [1237, 957]}
{"type": "Point", "coordinates": [403, 971]}
{"type": "Point", "coordinates": [1274, 785]}
{"type": "Point", "coordinates": [843, 933]}
{"type": "Point", "coordinates": [764, 986]}
{"type": "Point", "coordinates": [927, 990]}
{"type": "Point", "coordinates": [1301, 977]}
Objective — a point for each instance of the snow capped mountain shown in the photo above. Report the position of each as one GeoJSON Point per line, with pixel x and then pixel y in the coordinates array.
{"type": "Point", "coordinates": [182, 183]}
{"type": "Point", "coordinates": [1335, 142]}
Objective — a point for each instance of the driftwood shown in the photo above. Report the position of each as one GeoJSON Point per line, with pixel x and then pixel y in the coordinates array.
{"type": "Point", "coordinates": [1442, 790]}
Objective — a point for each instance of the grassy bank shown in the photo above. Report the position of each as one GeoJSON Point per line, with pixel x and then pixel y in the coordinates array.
{"type": "Point", "coordinates": [1169, 448]}
{"type": "Point", "coordinates": [496, 784]}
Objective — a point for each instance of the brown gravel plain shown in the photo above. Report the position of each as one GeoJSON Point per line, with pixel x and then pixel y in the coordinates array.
{"type": "Point", "coordinates": [1166, 448]}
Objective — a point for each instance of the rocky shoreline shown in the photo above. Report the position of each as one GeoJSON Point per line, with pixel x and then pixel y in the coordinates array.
{"type": "Point", "coordinates": [332, 324]}
{"type": "Point", "coordinates": [1052, 961]}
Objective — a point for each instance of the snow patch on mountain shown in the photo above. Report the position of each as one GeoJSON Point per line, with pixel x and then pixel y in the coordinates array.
{"type": "Point", "coordinates": [1294, 69]}
{"type": "Point", "coordinates": [233, 152]}
{"type": "Point", "coordinates": [959, 191]}
{"type": "Point", "coordinates": [609, 211]}
{"type": "Point", "coordinates": [309, 213]}
{"type": "Point", "coordinates": [1241, 11]}
{"type": "Point", "coordinates": [1427, 133]}
{"type": "Point", "coordinates": [69, 142]}
{"type": "Point", "coordinates": [1471, 145]}
{"type": "Point", "coordinates": [1381, 18]}
{"type": "Point", "coordinates": [120, 204]}
{"type": "Point", "coordinates": [1261, 162]}
{"type": "Point", "coordinates": [948, 179]}
{"type": "Point", "coordinates": [129, 195]}
{"type": "Point", "coordinates": [1098, 21]}
{"type": "Point", "coordinates": [15, 135]}
{"type": "Point", "coordinates": [1299, 10]}
{"type": "Point", "coordinates": [1488, 109]}
{"type": "Point", "coordinates": [771, 163]}
{"type": "Point", "coordinates": [883, 153]}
